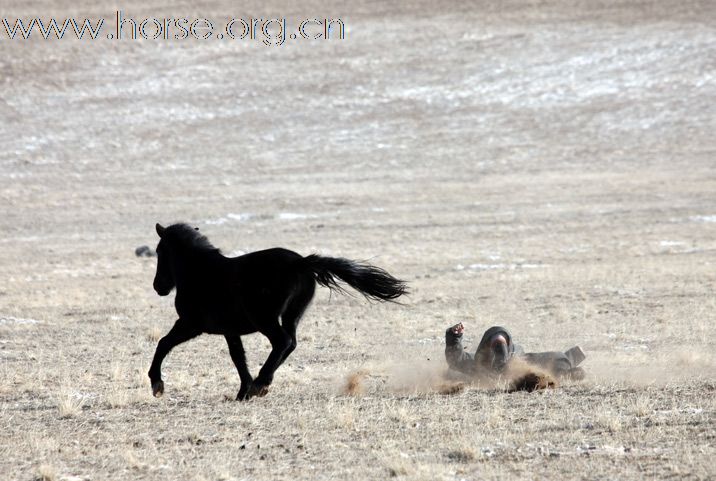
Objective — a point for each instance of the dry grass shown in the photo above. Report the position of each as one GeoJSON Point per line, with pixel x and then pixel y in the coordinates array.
{"type": "Point", "coordinates": [70, 403]}
{"type": "Point", "coordinates": [154, 334]}
{"type": "Point", "coordinates": [46, 473]}
{"type": "Point", "coordinates": [547, 167]}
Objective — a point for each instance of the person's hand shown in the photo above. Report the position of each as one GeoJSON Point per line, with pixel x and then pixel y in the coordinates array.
{"type": "Point", "coordinates": [457, 329]}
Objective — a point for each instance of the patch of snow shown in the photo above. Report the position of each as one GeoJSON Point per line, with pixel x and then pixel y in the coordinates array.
{"type": "Point", "coordinates": [703, 218]}
{"type": "Point", "coordinates": [584, 448]}
{"type": "Point", "coordinates": [481, 267]}
{"type": "Point", "coordinates": [667, 243]}
{"type": "Point", "coordinates": [669, 412]}
{"type": "Point", "coordinates": [487, 451]}
{"type": "Point", "coordinates": [16, 320]}
{"type": "Point", "coordinates": [242, 217]}
{"type": "Point", "coordinates": [614, 449]}
{"type": "Point", "coordinates": [33, 238]}
{"type": "Point", "coordinates": [577, 248]}
{"type": "Point", "coordinates": [293, 216]}
{"type": "Point", "coordinates": [487, 267]}
{"type": "Point", "coordinates": [83, 396]}
{"type": "Point", "coordinates": [427, 340]}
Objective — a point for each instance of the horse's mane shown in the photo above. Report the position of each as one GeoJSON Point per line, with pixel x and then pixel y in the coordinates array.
{"type": "Point", "coordinates": [186, 236]}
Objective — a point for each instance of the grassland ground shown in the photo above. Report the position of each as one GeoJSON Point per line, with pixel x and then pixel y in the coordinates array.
{"type": "Point", "coordinates": [546, 166]}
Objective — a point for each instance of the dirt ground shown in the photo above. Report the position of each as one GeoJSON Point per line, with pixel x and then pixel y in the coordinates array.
{"type": "Point", "coordinates": [549, 166]}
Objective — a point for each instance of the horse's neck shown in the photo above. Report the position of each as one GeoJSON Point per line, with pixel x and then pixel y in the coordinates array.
{"type": "Point", "coordinates": [198, 268]}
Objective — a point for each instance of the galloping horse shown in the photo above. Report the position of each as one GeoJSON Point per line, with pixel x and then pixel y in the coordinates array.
{"type": "Point", "coordinates": [246, 294]}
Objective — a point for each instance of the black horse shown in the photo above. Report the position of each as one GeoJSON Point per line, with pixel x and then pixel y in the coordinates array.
{"type": "Point", "coordinates": [236, 296]}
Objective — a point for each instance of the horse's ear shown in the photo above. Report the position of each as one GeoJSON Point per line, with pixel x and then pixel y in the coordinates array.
{"type": "Point", "coordinates": [160, 229]}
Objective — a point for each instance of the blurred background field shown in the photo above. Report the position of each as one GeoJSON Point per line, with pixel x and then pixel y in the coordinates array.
{"type": "Point", "coordinates": [548, 166]}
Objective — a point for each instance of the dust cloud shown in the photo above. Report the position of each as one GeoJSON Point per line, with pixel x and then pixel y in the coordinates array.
{"type": "Point", "coordinates": [425, 377]}
{"type": "Point", "coordinates": [421, 377]}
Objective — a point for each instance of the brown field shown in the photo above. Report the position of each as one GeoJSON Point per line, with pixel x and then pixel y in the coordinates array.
{"type": "Point", "coordinates": [549, 166]}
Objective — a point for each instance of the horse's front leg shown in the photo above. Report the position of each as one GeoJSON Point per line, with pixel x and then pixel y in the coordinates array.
{"type": "Point", "coordinates": [181, 332]}
{"type": "Point", "coordinates": [236, 349]}
{"type": "Point", "coordinates": [280, 342]}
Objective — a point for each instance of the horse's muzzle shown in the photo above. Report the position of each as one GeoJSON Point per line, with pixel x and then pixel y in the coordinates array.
{"type": "Point", "coordinates": [162, 291]}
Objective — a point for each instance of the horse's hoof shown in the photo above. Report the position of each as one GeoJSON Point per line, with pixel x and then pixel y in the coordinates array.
{"type": "Point", "coordinates": [257, 390]}
{"type": "Point", "coordinates": [158, 388]}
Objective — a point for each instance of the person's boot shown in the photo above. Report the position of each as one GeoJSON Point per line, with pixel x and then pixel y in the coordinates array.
{"type": "Point", "coordinates": [575, 355]}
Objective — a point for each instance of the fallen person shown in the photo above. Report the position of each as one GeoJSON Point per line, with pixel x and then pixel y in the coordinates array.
{"type": "Point", "coordinates": [496, 351]}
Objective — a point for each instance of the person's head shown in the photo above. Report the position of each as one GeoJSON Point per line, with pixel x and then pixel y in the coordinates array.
{"type": "Point", "coordinates": [495, 349]}
{"type": "Point", "coordinates": [499, 352]}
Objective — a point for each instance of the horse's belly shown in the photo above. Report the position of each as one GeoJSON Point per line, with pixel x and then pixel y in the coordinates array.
{"type": "Point", "coordinates": [227, 325]}
{"type": "Point", "coordinates": [212, 327]}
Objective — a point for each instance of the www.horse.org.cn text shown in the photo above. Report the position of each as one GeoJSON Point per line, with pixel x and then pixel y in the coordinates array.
{"type": "Point", "coordinates": [273, 31]}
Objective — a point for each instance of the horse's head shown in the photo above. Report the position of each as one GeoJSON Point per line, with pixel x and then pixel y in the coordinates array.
{"type": "Point", "coordinates": [164, 278]}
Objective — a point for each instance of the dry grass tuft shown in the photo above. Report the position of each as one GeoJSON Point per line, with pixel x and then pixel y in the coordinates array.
{"type": "Point", "coordinates": [70, 404]}
{"type": "Point", "coordinates": [398, 465]}
{"type": "Point", "coordinates": [45, 472]}
{"type": "Point", "coordinates": [117, 398]}
{"type": "Point", "coordinates": [462, 455]}
{"type": "Point", "coordinates": [642, 406]}
{"type": "Point", "coordinates": [116, 372]}
{"type": "Point", "coordinates": [610, 421]}
{"type": "Point", "coordinates": [344, 418]}
{"type": "Point", "coordinates": [132, 460]}
{"type": "Point", "coordinates": [397, 470]}
{"type": "Point", "coordinates": [154, 334]}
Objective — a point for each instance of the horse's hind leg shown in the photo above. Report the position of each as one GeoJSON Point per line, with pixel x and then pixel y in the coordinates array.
{"type": "Point", "coordinates": [280, 342]}
{"type": "Point", "coordinates": [236, 349]}
{"type": "Point", "coordinates": [181, 332]}
{"type": "Point", "coordinates": [292, 315]}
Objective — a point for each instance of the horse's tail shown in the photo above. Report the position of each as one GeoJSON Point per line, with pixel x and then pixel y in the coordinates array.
{"type": "Point", "coordinates": [373, 282]}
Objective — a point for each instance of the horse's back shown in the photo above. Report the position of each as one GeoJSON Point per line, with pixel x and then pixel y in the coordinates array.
{"type": "Point", "coordinates": [276, 257]}
{"type": "Point", "coordinates": [273, 252]}
{"type": "Point", "coordinates": [276, 266]}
